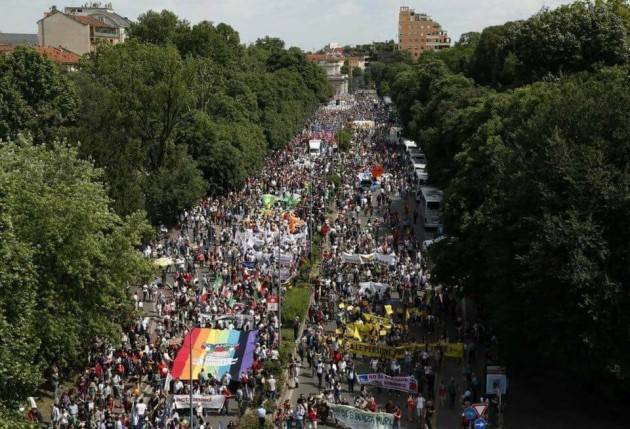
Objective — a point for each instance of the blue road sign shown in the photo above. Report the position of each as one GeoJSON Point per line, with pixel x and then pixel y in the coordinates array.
{"type": "Point", "coordinates": [470, 413]}
{"type": "Point", "coordinates": [480, 423]}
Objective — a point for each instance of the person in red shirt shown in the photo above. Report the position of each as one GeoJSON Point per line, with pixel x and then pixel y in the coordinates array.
{"type": "Point", "coordinates": [397, 417]}
{"type": "Point", "coordinates": [411, 405]}
{"type": "Point", "coordinates": [312, 418]}
{"type": "Point", "coordinates": [372, 404]}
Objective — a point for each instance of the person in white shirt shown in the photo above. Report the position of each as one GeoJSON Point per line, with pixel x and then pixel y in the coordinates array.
{"type": "Point", "coordinates": [420, 402]}
{"type": "Point", "coordinates": [141, 408]}
{"type": "Point", "coordinates": [272, 383]}
{"type": "Point", "coordinates": [261, 413]}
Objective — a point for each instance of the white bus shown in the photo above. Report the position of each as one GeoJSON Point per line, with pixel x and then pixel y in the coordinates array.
{"type": "Point", "coordinates": [430, 202]}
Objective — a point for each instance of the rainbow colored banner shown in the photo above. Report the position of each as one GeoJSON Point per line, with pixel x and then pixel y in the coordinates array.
{"type": "Point", "coordinates": [217, 351]}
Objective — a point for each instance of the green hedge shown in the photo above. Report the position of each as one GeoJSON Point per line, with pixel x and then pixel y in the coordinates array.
{"type": "Point", "coordinates": [295, 303]}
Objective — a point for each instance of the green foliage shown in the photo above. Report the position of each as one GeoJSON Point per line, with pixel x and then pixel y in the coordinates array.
{"type": "Point", "coordinates": [287, 346]}
{"type": "Point", "coordinates": [344, 137]}
{"type": "Point", "coordinates": [582, 34]}
{"type": "Point", "coordinates": [67, 259]}
{"type": "Point", "coordinates": [295, 303]}
{"type": "Point", "coordinates": [547, 217]}
{"type": "Point", "coordinates": [10, 419]}
{"type": "Point", "coordinates": [345, 68]}
{"type": "Point", "coordinates": [134, 100]}
{"type": "Point", "coordinates": [35, 98]}
{"type": "Point", "coordinates": [565, 40]}
{"type": "Point", "coordinates": [334, 178]}
{"type": "Point", "coordinates": [458, 57]}
{"type": "Point", "coordinates": [157, 28]}
{"type": "Point", "coordinates": [250, 421]}
{"type": "Point", "coordinates": [174, 186]}
{"type": "Point", "coordinates": [176, 89]}
{"type": "Point", "coordinates": [381, 74]}
{"type": "Point", "coordinates": [20, 374]}
{"type": "Point", "coordinates": [536, 183]}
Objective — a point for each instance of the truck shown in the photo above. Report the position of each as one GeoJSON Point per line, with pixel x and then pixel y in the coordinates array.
{"type": "Point", "coordinates": [315, 147]}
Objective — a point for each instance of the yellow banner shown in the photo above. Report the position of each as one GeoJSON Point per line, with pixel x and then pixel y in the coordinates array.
{"type": "Point", "coordinates": [369, 317]}
{"type": "Point", "coordinates": [451, 350]}
{"type": "Point", "coordinates": [454, 350]}
{"type": "Point", "coordinates": [389, 310]}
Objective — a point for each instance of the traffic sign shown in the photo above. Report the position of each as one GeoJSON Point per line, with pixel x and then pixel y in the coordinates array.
{"type": "Point", "coordinates": [470, 413]}
{"type": "Point", "coordinates": [481, 409]}
{"type": "Point", "coordinates": [480, 423]}
{"type": "Point", "coordinates": [272, 303]}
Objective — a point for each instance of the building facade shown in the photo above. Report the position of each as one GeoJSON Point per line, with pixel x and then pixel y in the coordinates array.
{"type": "Point", "coordinates": [332, 65]}
{"type": "Point", "coordinates": [418, 33]}
{"type": "Point", "coordinates": [104, 13]}
{"type": "Point", "coordinates": [81, 29]}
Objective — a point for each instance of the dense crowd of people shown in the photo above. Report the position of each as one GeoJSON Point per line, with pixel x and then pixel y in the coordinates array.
{"type": "Point", "coordinates": [230, 254]}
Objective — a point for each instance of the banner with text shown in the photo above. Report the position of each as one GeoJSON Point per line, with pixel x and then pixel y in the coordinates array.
{"type": "Point", "coordinates": [451, 350]}
{"type": "Point", "coordinates": [211, 402]}
{"type": "Point", "coordinates": [404, 384]}
{"type": "Point", "coordinates": [358, 419]}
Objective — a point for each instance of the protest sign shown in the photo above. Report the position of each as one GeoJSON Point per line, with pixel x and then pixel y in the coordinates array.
{"type": "Point", "coordinates": [403, 384]}
{"type": "Point", "coordinates": [452, 350]}
{"type": "Point", "coordinates": [371, 288]}
{"type": "Point", "coordinates": [217, 351]}
{"type": "Point", "coordinates": [211, 402]}
{"type": "Point", "coordinates": [358, 419]}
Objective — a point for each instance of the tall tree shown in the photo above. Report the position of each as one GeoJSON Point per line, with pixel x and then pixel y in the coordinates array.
{"type": "Point", "coordinates": [83, 255]}
{"type": "Point", "coordinates": [35, 97]}
{"type": "Point", "coordinates": [134, 99]}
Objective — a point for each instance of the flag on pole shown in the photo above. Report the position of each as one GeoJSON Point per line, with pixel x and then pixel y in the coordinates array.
{"type": "Point", "coordinates": [216, 285]}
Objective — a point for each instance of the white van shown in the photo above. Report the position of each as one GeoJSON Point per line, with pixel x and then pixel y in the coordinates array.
{"type": "Point", "coordinates": [430, 202]}
{"type": "Point", "coordinates": [314, 147]}
{"type": "Point", "coordinates": [421, 174]}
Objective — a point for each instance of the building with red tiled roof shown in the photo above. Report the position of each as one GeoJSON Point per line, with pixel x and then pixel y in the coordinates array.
{"type": "Point", "coordinates": [59, 56]}
{"type": "Point", "coordinates": [65, 59]}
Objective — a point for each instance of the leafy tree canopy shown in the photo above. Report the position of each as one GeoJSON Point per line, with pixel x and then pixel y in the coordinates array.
{"type": "Point", "coordinates": [35, 97]}
{"type": "Point", "coordinates": [66, 261]}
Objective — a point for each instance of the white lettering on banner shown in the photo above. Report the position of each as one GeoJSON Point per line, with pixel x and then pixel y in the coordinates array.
{"type": "Point", "coordinates": [358, 419]}
{"type": "Point", "coordinates": [404, 384]}
{"type": "Point", "coordinates": [210, 402]}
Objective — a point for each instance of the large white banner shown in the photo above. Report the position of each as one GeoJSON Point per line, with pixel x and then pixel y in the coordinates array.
{"type": "Point", "coordinates": [385, 259]}
{"type": "Point", "coordinates": [371, 288]}
{"type": "Point", "coordinates": [404, 384]}
{"type": "Point", "coordinates": [212, 402]}
{"type": "Point", "coordinates": [351, 258]}
{"type": "Point", "coordinates": [365, 258]}
{"type": "Point", "coordinates": [358, 419]}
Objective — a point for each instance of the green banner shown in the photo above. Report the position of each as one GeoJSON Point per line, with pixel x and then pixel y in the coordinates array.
{"type": "Point", "coordinates": [268, 200]}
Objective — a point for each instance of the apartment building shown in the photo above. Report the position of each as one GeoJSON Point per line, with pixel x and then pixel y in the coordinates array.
{"type": "Point", "coordinates": [419, 33]}
{"type": "Point", "coordinates": [332, 64]}
{"type": "Point", "coordinates": [81, 29]}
